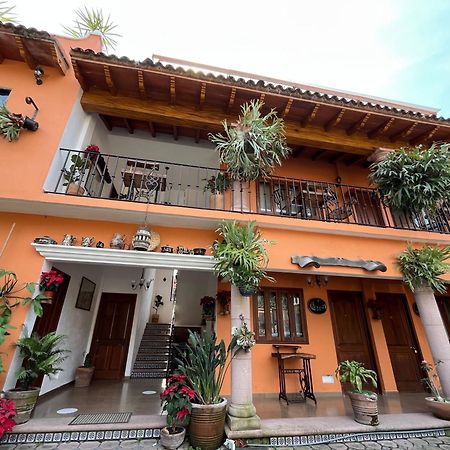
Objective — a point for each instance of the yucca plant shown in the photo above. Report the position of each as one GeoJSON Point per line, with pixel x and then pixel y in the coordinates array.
{"type": "Point", "coordinates": [6, 13]}
{"type": "Point", "coordinates": [93, 20]}
{"type": "Point", "coordinates": [414, 179]}
{"type": "Point", "coordinates": [252, 147]}
{"type": "Point", "coordinates": [241, 257]}
{"type": "Point", "coordinates": [10, 124]}
{"type": "Point", "coordinates": [357, 375]}
{"type": "Point", "coordinates": [423, 267]}
{"type": "Point", "coordinates": [41, 356]}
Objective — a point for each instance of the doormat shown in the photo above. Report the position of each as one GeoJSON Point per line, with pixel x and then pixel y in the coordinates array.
{"type": "Point", "coordinates": [101, 418]}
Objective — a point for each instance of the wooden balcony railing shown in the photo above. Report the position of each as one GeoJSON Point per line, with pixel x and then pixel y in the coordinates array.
{"type": "Point", "coordinates": [147, 181]}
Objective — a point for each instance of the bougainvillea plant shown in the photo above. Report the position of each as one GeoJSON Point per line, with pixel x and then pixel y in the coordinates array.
{"type": "Point", "coordinates": [7, 413]}
{"type": "Point", "coordinates": [50, 281]}
{"type": "Point", "coordinates": [176, 401]}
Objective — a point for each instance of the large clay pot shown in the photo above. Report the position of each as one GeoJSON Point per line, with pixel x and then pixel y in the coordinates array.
{"type": "Point", "coordinates": [439, 409]}
{"type": "Point", "coordinates": [365, 408]}
{"type": "Point", "coordinates": [172, 440]}
{"type": "Point", "coordinates": [206, 429]}
{"type": "Point", "coordinates": [155, 318]}
{"type": "Point", "coordinates": [49, 296]}
{"type": "Point", "coordinates": [216, 201]}
{"type": "Point", "coordinates": [83, 376]}
{"type": "Point", "coordinates": [25, 402]}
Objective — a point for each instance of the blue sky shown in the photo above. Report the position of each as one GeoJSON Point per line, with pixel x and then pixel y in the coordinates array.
{"type": "Point", "coordinates": [397, 49]}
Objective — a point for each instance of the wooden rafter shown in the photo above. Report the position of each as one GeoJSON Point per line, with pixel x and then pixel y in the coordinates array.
{"type": "Point", "coordinates": [231, 99]}
{"type": "Point", "coordinates": [105, 120]}
{"type": "Point", "coordinates": [109, 81]}
{"type": "Point", "coordinates": [151, 128]}
{"type": "Point", "coordinates": [359, 125]}
{"type": "Point", "coordinates": [172, 91]}
{"type": "Point", "coordinates": [403, 134]}
{"type": "Point", "coordinates": [425, 137]}
{"type": "Point", "coordinates": [79, 76]}
{"type": "Point", "coordinates": [202, 95]}
{"type": "Point", "coordinates": [336, 120]}
{"type": "Point", "coordinates": [335, 157]}
{"type": "Point", "coordinates": [175, 132]}
{"type": "Point", "coordinates": [353, 160]}
{"type": "Point", "coordinates": [58, 59]}
{"type": "Point", "coordinates": [24, 53]}
{"type": "Point", "coordinates": [381, 129]}
{"type": "Point", "coordinates": [318, 154]}
{"type": "Point", "coordinates": [128, 125]}
{"type": "Point", "coordinates": [287, 108]}
{"type": "Point", "coordinates": [310, 116]}
{"type": "Point", "coordinates": [197, 135]}
{"type": "Point", "coordinates": [141, 83]}
{"type": "Point", "coordinates": [299, 149]}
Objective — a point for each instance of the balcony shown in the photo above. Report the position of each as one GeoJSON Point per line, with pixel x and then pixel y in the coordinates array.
{"type": "Point", "coordinates": [129, 179]}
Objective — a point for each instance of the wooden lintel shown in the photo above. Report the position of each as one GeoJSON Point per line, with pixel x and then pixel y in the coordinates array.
{"type": "Point", "coordinates": [358, 126]}
{"type": "Point", "coordinates": [109, 81]}
{"type": "Point", "coordinates": [197, 135]}
{"type": "Point", "coordinates": [24, 53]}
{"type": "Point", "coordinates": [381, 129]}
{"type": "Point", "coordinates": [287, 108]}
{"type": "Point", "coordinates": [231, 99]}
{"type": "Point", "coordinates": [128, 125]}
{"type": "Point", "coordinates": [141, 83]}
{"type": "Point", "coordinates": [335, 120]}
{"type": "Point", "coordinates": [202, 95]}
{"type": "Point", "coordinates": [175, 132]}
{"type": "Point", "coordinates": [59, 59]}
{"type": "Point", "coordinates": [317, 154]}
{"type": "Point", "coordinates": [310, 116]}
{"type": "Point", "coordinates": [353, 160]}
{"type": "Point", "coordinates": [151, 128]}
{"type": "Point", "coordinates": [403, 133]}
{"type": "Point", "coordinates": [425, 137]}
{"type": "Point", "coordinates": [172, 91]}
{"type": "Point", "coordinates": [210, 119]}
{"type": "Point", "coordinates": [79, 76]}
{"type": "Point", "coordinates": [105, 120]}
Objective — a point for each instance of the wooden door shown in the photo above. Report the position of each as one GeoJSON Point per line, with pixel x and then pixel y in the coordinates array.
{"type": "Point", "coordinates": [350, 329]}
{"type": "Point", "coordinates": [443, 302]}
{"type": "Point", "coordinates": [109, 348]}
{"type": "Point", "coordinates": [402, 343]}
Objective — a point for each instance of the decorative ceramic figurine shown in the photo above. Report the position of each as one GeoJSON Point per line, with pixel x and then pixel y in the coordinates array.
{"type": "Point", "coordinates": [69, 239]}
{"type": "Point", "coordinates": [141, 239]}
{"type": "Point", "coordinates": [166, 249]}
{"type": "Point", "coordinates": [87, 241]}
{"type": "Point", "coordinates": [44, 240]}
{"type": "Point", "coordinates": [117, 241]}
{"type": "Point", "coordinates": [182, 250]}
{"type": "Point", "coordinates": [100, 244]}
{"type": "Point", "coordinates": [199, 251]}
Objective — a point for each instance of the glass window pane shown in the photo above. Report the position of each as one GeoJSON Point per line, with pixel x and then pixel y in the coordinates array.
{"type": "Point", "coordinates": [261, 315]}
{"type": "Point", "coordinates": [297, 314]}
{"type": "Point", "coordinates": [285, 313]}
{"type": "Point", "coordinates": [273, 314]}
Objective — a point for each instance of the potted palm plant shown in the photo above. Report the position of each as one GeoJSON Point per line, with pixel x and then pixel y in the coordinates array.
{"type": "Point", "coordinates": [241, 257]}
{"type": "Point", "coordinates": [437, 403]}
{"type": "Point", "coordinates": [176, 401]}
{"type": "Point", "coordinates": [158, 302]}
{"type": "Point", "coordinates": [217, 185]}
{"type": "Point", "coordinates": [364, 403]}
{"type": "Point", "coordinates": [41, 356]}
{"type": "Point", "coordinates": [84, 373]}
{"type": "Point", "coordinates": [204, 363]}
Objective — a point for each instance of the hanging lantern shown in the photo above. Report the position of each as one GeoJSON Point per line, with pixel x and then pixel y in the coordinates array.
{"type": "Point", "coordinates": [141, 239]}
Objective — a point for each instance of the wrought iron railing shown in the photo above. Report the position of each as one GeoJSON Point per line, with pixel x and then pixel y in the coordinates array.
{"type": "Point", "coordinates": [156, 182]}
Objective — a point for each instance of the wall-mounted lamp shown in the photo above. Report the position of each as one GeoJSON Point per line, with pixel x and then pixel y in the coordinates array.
{"type": "Point", "coordinates": [338, 180]}
{"type": "Point", "coordinates": [38, 73]}
{"type": "Point", "coordinates": [30, 123]}
{"type": "Point", "coordinates": [142, 283]}
{"type": "Point", "coordinates": [318, 280]}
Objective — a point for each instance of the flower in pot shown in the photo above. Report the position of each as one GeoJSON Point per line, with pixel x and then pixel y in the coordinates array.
{"type": "Point", "coordinates": [95, 158]}
{"type": "Point", "coordinates": [74, 175]}
{"type": "Point", "coordinates": [217, 185]}
{"type": "Point", "coordinates": [158, 302]}
{"type": "Point", "coordinates": [364, 403]}
{"type": "Point", "coordinates": [49, 284]}
{"type": "Point", "coordinates": [176, 401]}
{"type": "Point", "coordinates": [204, 363]}
{"type": "Point", "coordinates": [41, 356]}
{"type": "Point", "coordinates": [7, 414]}
{"type": "Point", "coordinates": [241, 257]}
{"type": "Point", "coordinates": [437, 403]}
{"type": "Point", "coordinates": [208, 304]}
{"type": "Point", "coordinates": [84, 373]}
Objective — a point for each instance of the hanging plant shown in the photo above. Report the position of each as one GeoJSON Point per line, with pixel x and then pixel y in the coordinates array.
{"type": "Point", "coordinates": [10, 124]}
{"type": "Point", "coordinates": [252, 147]}
{"type": "Point", "coordinates": [414, 179]}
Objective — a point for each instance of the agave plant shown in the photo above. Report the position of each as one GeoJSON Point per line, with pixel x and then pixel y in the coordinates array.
{"type": "Point", "coordinates": [6, 13]}
{"type": "Point", "coordinates": [252, 147]}
{"type": "Point", "coordinates": [423, 267]}
{"type": "Point", "coordinates": [10, 124]}
{"type": "Point", "coordinates": [93, 20]}
{"type": "Point", "coordinates": [414, 179]}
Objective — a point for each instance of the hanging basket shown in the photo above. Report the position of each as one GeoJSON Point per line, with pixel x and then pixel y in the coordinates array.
{"type": "Point", "coordinates": [247, 291]}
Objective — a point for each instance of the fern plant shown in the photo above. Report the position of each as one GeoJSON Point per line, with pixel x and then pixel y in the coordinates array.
{"type": "Point", "coordinates": [41, 356]}
{"type": "Point", "coordinates": [423, 267]}
{"type": "Point", "coordinates": [357, 375]}
{"type": "Point", "coordinates": [252, 147]}
{"type": "Point", "coordinates": [414, 179]}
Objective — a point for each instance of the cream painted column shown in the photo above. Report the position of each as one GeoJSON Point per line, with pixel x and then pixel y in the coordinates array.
{"type": "Point", "coordinates": [241, 412]}
{"type": "Point", "coordinates": [436, 334]}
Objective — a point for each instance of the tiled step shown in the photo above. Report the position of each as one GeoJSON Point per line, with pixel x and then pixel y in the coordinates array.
{"type": "Point", "coordinates": [148, 374]}
{"type": "Point", "coordinates": [153, 350]}
{"type": "Point", "coordinates": [156, 338]}
{"type": "Point", "coordinates": [155, 358]}
{"type": "Point", "coordinates": [150, 365]}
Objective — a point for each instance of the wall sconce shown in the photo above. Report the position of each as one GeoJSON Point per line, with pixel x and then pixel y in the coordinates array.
{"type": "Point", "coordinates": [338, 180]}
{"type": "Point", "coordinates": [318, 280]}
{"type": "Point", "coordinates": [142, 283]}
{"type": "Point", "coordinates": [38, 73]}
{"type": "Point", "coordinates": [30, 123]}
{"type": "Point", "coordinates": [376, 309]}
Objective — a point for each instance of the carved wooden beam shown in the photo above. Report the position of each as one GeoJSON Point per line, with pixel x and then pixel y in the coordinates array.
{"type": "Point", "coordinates": [231, 99]}
{"type": "Point", "coordinates": [381, 129]}
{"type": "Point", "coordinates": [403, 134]}
{"type": "Point", "coordinates": [296, 152]}
{"type": "Point", "coordinates": [332, 159]}
{"type": "Point", "coordinates": [172, 91]}
{"type": "Point", "coordinates": [141, 83]}
{"type": "Point", "coordinates": [317, 154]}
{"type": "Point", "coordinates": [317, 261]}
{"type": "Point", "coordinates": [59, 59]}
{"type": "Point", "coordinates": [358, 126]}
{"type": "Point", "coordinates": [353, 160]}
{"type": "Point", "coordinates": [129, 126]}
{"type": "Point", "coordinates": [105, 120]}
{"type": "Point", "coordinates": [79, 76]}
{"type": "Point", "coordinates": [24, 53]}
{"type": "Point", "coordinates": [310, 116]}
{"type": "Point", "coordinates": [335, 120]}
{"type": "Point", "coordinates": [151, 128]}
{"type": "Point", "coordinates": [425, 137]}
{"type": "Point", "coordinates": [202, 95]}
{"type": "Point", "coordinates": [109, 82]}
{"type": "Point", "coordinates": [287, 108]}
{"type": "Point", "coordinates": [175, 133]}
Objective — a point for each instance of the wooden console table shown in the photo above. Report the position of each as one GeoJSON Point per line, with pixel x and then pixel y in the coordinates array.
{"type": "Point", "coordinates": [288, 353]}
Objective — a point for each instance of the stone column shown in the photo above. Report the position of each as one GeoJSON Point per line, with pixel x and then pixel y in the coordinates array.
{"type": "Point", "coordinates": [241, 411]}
{"type": "Point", "coordinates": [436, 334]}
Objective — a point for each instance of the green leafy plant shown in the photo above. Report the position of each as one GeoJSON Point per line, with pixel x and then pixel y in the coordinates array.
{"type": "Point", "coordinates": [41, 356]}
{"type": "Point", "coordinates": [158, 302]}
{"type": "Point", "coordinates": [356, 374]}
{"type": "Point", "coordinates": [241, 257]}
{"type": "Point", "coordinates": [429, 381]}
{"type": "Point", "coordinates": [76, 171]}
{"type": "Point", "coordinates": [243, 338]}
{"type": "Point", "coordinates": [6, 13]}
{"type": "Point", "coordinates": [10, 124]}
{"type": "Point", "coordinates": [93, 20]}
{"type": "Point", "coordinates": [218, 184]}
{"type": "Point", "coordinates": [423, 267]}
{"type": "Point", "coordinates": [254, 145]}
{"type": "Point", "coordinates": [414, 179]}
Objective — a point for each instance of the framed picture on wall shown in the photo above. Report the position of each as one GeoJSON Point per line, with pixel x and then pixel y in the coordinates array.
{"type": "Point", "coordinates": [85, 294]}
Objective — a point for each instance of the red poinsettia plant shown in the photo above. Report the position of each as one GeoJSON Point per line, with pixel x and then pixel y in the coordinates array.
{"type": "Point", "coordinates": [7, 413]}
{"type": "Point", "coordinates": [50, 281]}
{"type": "Point", "coordinates": [176, 401]}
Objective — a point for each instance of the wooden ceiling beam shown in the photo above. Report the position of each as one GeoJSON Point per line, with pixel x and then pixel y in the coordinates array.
{"type": "Point", "coordinates": [151, 128]}
{"type": "Point", "coordinates": [335, 157]}
{"type": "Point", "coordinates": [175, 133]}
{"type": "Point", "coordinates": [173, 97]}
{"type": "Point", "coordinates": [353, 160]}
{"type": "Point", "coordinates": [296, 152]}
{"type": "Point", "coordinates": [128, 126]}
{"type": "Point", "coordinates": [24, 53]}
{"type": "Point", "coordinates": [105, 120]}
{"type": "Point", "coordinates": [202, 95]}
{"type": "Point", "coordinates": [197, 135]}
{"type": "Point", "coordinates": [381, 129]}
{"type": "Point", "coordinates": [109, 81]}
{"type": "Point", "coordinates": [141, 83]}
{"type": "Point", "coordinates": [287, 108]}
{"type": "Point", "coordinates": [310, 116]}
{"type": "Point", "coordinates": [231, 99]}
{"type": "Point", "coordinates": [336, 120]}
{"type": "Point", "coordinates": [318, 154]}
{"type": "Point", "coordinates": [403, 134]}
{"type": "Point", "coordinates": [359, 125]}
{"type": "Point", "coordinates": [79, 76]}
{"type": "Point", "coordinates": [59, 59]}
{"type": "Point", "coordinates": [210, 119]}
{"type": "Point", "coordinates": [425, 137]}
{"type": "Point", "coordinates": [2, 57]}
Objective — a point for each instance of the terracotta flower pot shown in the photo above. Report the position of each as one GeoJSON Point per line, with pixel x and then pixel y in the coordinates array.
{"type": "Point", "coordinates": [365, 408]}
{"type": "Point", "coordinates": [206, 429]}
{"type": "Point", "coordinates": [25, 402]}
{"type": "Point", "coordinates": [155, 318]}
{"type": "Point", "coordinates": [75, 189]}
{"type": "Point", "coordinates": [216, 201]}
{"type": "Point", "coordinates": [439, 409]}
{"type": "Point", "coordinates": [83, 376]}
{"type": "Point", "coordinates": [50, 295]}
{"type": "Point", "coordinates": [172, 440]}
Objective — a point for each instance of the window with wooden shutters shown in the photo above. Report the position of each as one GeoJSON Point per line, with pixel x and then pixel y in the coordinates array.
{"type": "Point", "coordinates": [280, 316]}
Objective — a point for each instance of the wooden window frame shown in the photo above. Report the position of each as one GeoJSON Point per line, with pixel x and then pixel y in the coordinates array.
{"type": "Point", "coordinates": [268, 339]}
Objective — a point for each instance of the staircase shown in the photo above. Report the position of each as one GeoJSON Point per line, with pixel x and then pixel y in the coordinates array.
{"type": "Point", "coordinates": [152, 358]}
